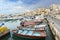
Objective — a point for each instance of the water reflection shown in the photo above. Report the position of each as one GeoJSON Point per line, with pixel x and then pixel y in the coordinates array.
{"type": "Point", "coordinates": [12, 25]}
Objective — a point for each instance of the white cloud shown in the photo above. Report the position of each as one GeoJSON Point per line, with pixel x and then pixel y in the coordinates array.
{"type": "Point", "coordinates": [19, 7]}
{"type": "Point", "coordinates": [9, 7]}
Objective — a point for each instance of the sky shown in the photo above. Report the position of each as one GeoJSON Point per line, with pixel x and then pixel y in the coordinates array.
{"type": "Point", "coordinates": [21, 6]}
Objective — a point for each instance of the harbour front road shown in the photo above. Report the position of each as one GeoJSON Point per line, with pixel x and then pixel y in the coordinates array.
{"type": "Point", "coordinates": [55, 26]}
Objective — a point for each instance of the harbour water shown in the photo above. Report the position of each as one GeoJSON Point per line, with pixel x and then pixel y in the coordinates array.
{"type": "Point", "coordinates": [13, 25]}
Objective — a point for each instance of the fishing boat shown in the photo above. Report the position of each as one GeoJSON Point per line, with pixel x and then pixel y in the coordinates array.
{"type": "Point", "coordinates": [32, 22]}
{"type": "Point", "coordinates": [33, 27]}
{"type": "Point", "coordinates": [4, 31]}
{"type": "Point", "coordinates": [30, 33]}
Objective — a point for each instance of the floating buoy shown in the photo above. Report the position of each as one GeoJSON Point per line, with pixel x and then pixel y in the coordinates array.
{"type": "Point", "coordinates": [2, 23]}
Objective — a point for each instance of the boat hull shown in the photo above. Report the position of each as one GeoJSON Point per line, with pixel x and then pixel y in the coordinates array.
{"type": "Point", "coordinates": [26, 38]}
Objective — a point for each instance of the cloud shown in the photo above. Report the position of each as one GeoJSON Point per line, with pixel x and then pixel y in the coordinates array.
{"type": "Point", "coordinates": [21, 6]}
{"type": "Point", "coordinates": [8, 7]}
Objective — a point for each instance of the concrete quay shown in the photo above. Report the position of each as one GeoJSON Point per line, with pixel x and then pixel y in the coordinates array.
{"type": "Point", "coordinates": [54, 26]}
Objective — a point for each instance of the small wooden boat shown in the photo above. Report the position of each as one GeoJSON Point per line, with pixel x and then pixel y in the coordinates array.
{"type": "Point", "coordinates": [34, 22]}
{"type": "Point", "coordinates": [30, 23]}
{"type": "Point", "coordinates": [4, 31]}
{"type": "Point", "coordinates": [30, 34]}
{"type": "Point", "coordinates": [32, 27]}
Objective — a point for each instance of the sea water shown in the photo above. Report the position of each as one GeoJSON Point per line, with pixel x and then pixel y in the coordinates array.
{"type": "Point", "coordinates": [13, 25]}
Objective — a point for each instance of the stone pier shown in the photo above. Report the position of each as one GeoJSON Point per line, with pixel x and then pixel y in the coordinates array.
{"type": "Point", "coordinates": [55, 27]}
